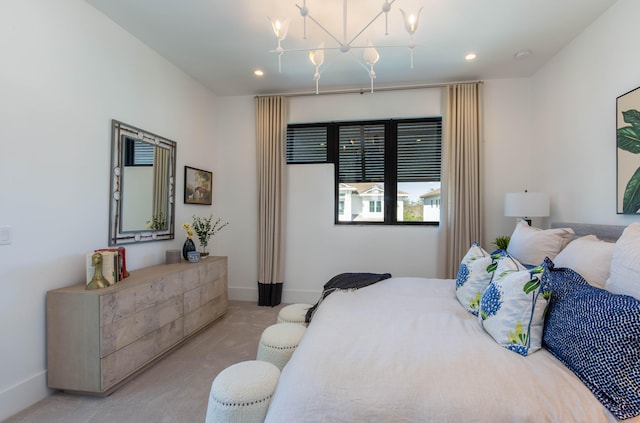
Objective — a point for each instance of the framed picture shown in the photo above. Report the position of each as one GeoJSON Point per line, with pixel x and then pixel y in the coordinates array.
{"type": "Point", "coordinates": [628, 152]}
{"type": "Point", "coordinates": [197, 186]}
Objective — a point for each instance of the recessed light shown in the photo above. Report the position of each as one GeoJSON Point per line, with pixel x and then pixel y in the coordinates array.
{"type": "Point", "coordinates": [522, 54]}
{"type": "Point", "coordinates": [258, 72]}
{"type": "Point", "coordinates": [470, 56]}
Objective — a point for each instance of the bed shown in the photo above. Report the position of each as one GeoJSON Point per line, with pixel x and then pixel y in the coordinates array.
{"type": "Point", "coordinates": [409, 349]}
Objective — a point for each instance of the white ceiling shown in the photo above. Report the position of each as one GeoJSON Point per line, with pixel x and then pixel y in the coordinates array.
{"type": "Point", "coordinates": [220, 43]}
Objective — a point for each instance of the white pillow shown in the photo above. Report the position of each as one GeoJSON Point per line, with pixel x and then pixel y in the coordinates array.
{"type": "Point", "coordinates": [512, 308]}
{"type": "Point", "coordinates": [588, 256]}
{"type": "Point", "coordinates": [474, 275]}
{"type": "Point", "coordinates": [531, 245]}
{"type": "Point", "coordinates": [625, 263]}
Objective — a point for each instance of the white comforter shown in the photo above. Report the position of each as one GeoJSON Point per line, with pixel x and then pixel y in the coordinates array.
{"type": "Point", "coordinates": [405, 350]}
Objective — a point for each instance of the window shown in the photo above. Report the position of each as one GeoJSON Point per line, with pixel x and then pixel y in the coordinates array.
{"type": "Point", "coordinates": [371, 156]}
{"type": "Point", "coordinates": [137, 152]}
{"type": "Point", "coordinates": [306, 144]}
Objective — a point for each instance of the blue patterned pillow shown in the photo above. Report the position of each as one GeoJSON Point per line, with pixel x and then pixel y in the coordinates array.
{"type": "Point", "coordinates": [596, 334]}
{"type": "Point", "coordinates": [474, 275]}
{"type": "Point", "coordinates": [513, 307]}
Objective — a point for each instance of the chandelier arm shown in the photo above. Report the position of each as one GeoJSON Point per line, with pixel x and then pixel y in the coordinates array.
{"type": "Point", "coordinates": [322, 27]}
{"type": "Point", "coordinates": [344, 21]}
{"type": "Point", "coordinates": [368, 25]}
{"type": "Point", "coordinates": [304, 20]}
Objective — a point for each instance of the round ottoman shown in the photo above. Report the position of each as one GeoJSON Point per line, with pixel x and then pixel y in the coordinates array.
{"type": "Point", "coordinates": [241, 393]}
{"type": "Point", "coordinates": [278, 342]}
{"type": "Point", "coordinates": [294, 313]}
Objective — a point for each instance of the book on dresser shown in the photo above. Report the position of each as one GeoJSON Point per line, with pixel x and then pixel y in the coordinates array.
{"type": "Point", "coordinates": [122, 261]}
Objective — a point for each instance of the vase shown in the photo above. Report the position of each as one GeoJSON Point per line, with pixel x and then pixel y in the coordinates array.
{"type": "Point", "coordinates": [203, 250]}
{"type": "Point", "coordinates": [188, 246]}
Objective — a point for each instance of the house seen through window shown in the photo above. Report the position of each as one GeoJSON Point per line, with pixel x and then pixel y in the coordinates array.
{"type": "Point", "coordinates": [386, 171]}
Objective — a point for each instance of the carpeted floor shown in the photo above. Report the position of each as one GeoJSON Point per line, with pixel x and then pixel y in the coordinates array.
{"type": "Point", "coordinates": [176, 389]}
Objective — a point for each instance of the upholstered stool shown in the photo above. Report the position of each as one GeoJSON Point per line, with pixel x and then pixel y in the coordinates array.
{"type": "Point", "coordinates": [242, 393]}
{"type": "Point", "coordinates": [278, 342]}
{"type": "Point", "coordinates": [294, 313]}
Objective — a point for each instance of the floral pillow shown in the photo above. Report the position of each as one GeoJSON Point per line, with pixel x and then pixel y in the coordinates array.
{"type": "Point", "coordinates": [474, 275]}
{"type": "Point", "coordinates": [512, 308]}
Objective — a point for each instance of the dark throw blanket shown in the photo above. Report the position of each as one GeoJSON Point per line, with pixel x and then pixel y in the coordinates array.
{"type": "Point", "coordinates": [346, 281]}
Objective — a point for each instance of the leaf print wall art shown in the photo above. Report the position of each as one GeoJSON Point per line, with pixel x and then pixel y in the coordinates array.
{"type": "Point", "coordinates": [628, 152]}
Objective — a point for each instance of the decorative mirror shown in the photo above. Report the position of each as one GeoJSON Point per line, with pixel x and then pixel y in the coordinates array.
{"type": "Point", "coordinates": [143, 169]}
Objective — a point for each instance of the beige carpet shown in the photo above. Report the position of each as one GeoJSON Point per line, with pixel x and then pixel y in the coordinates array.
{"type": "Point", "coordinates": [176, 389]}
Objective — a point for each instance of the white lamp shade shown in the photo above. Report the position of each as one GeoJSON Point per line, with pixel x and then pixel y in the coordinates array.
{"type": "Point", "coordinates": [526, 204]}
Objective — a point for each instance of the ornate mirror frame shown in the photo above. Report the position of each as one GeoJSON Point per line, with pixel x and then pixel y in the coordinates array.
{"type": "Point", "coordinates": [142, 187]}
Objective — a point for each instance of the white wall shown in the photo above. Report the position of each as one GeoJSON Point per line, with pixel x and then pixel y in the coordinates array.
{"type": "Point", "coordinates": [66, 72]}
{"type": "Point", "coordinates": [574, 106]}
{"type": "Point", "coordinates": [236, 194]}
{"type": "Point", "coordinates": [316, 248]}
{"type": "Point", "coordinates": [508, 144]}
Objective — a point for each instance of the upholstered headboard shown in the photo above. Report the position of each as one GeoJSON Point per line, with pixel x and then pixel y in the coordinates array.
{"type": "Point", "coordinates": [604, 232]}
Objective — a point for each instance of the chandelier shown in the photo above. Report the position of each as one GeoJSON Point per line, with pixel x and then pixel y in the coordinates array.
{"type": "Point", "coordinates": [370, 56]}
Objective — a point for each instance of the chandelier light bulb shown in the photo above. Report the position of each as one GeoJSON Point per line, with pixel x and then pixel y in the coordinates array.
{"type": "Point", "coordinates": [280, 29]}
{"type": "Point", "coordinates": [317, 56]}
{"type": "Point", "coordinates": [411, 21]}
{"type": "Point", "coordinates": [371, 55]}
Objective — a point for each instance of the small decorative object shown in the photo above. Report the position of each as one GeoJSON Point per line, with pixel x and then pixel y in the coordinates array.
{"type": "Point", "coordinates": [197, 186]}
{"type": "Point", "coordinates": [628, 149]}
{"type": "Point", "coordinates": [194, 256]}
{"type": "Point", "coordinates": [172, 256]}
{"type": "Point", "coordinates": [98, 280]}
{"type": "Point", "coordinates": [187, 247]}
{"type": "Point", "coordinates": [205, 230]}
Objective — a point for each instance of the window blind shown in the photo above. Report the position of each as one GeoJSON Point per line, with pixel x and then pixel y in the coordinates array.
{"type": "Point", "coordinates": [306, 144]}
{"type": "Point", "coordinates": [361, 153]}
{"type": "Point", "coordinates": [419, 150]}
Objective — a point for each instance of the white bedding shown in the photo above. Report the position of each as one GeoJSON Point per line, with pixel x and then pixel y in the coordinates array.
{"type": "Point", "coordinates": [405, 350]}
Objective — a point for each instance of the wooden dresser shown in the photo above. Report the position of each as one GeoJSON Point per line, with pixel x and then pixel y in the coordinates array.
{"type": "Point", "coordinates": [98, 339]}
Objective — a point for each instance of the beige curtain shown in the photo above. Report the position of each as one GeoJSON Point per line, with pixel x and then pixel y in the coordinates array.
{"type": "Point", "coordinates": [271, 131]}
{"type": "Point", "coordinates": [462, 215]}
{"type": "Point", "coordinates": [160, 185]}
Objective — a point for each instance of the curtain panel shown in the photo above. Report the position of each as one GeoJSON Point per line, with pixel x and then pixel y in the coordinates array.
{"type": "Point", "coordinates": [462, 216]}
{"type": "Point", "coordinates": [271, 131]}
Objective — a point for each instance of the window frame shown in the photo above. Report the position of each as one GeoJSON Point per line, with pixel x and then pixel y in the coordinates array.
{"type": "Point", "coordinates": [390, 164]}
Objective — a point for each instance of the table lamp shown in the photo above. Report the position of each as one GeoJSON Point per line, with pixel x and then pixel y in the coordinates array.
{"type": "Point", "coordinates": [526, 205]}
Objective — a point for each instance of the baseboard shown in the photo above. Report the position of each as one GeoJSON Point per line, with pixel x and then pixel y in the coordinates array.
{"type": "Point", "coordinates": [289, 296]}
{"type": "Point", "coordinates": [24, 394]}
{"type": "Point", "coordinates": [243, 294]}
